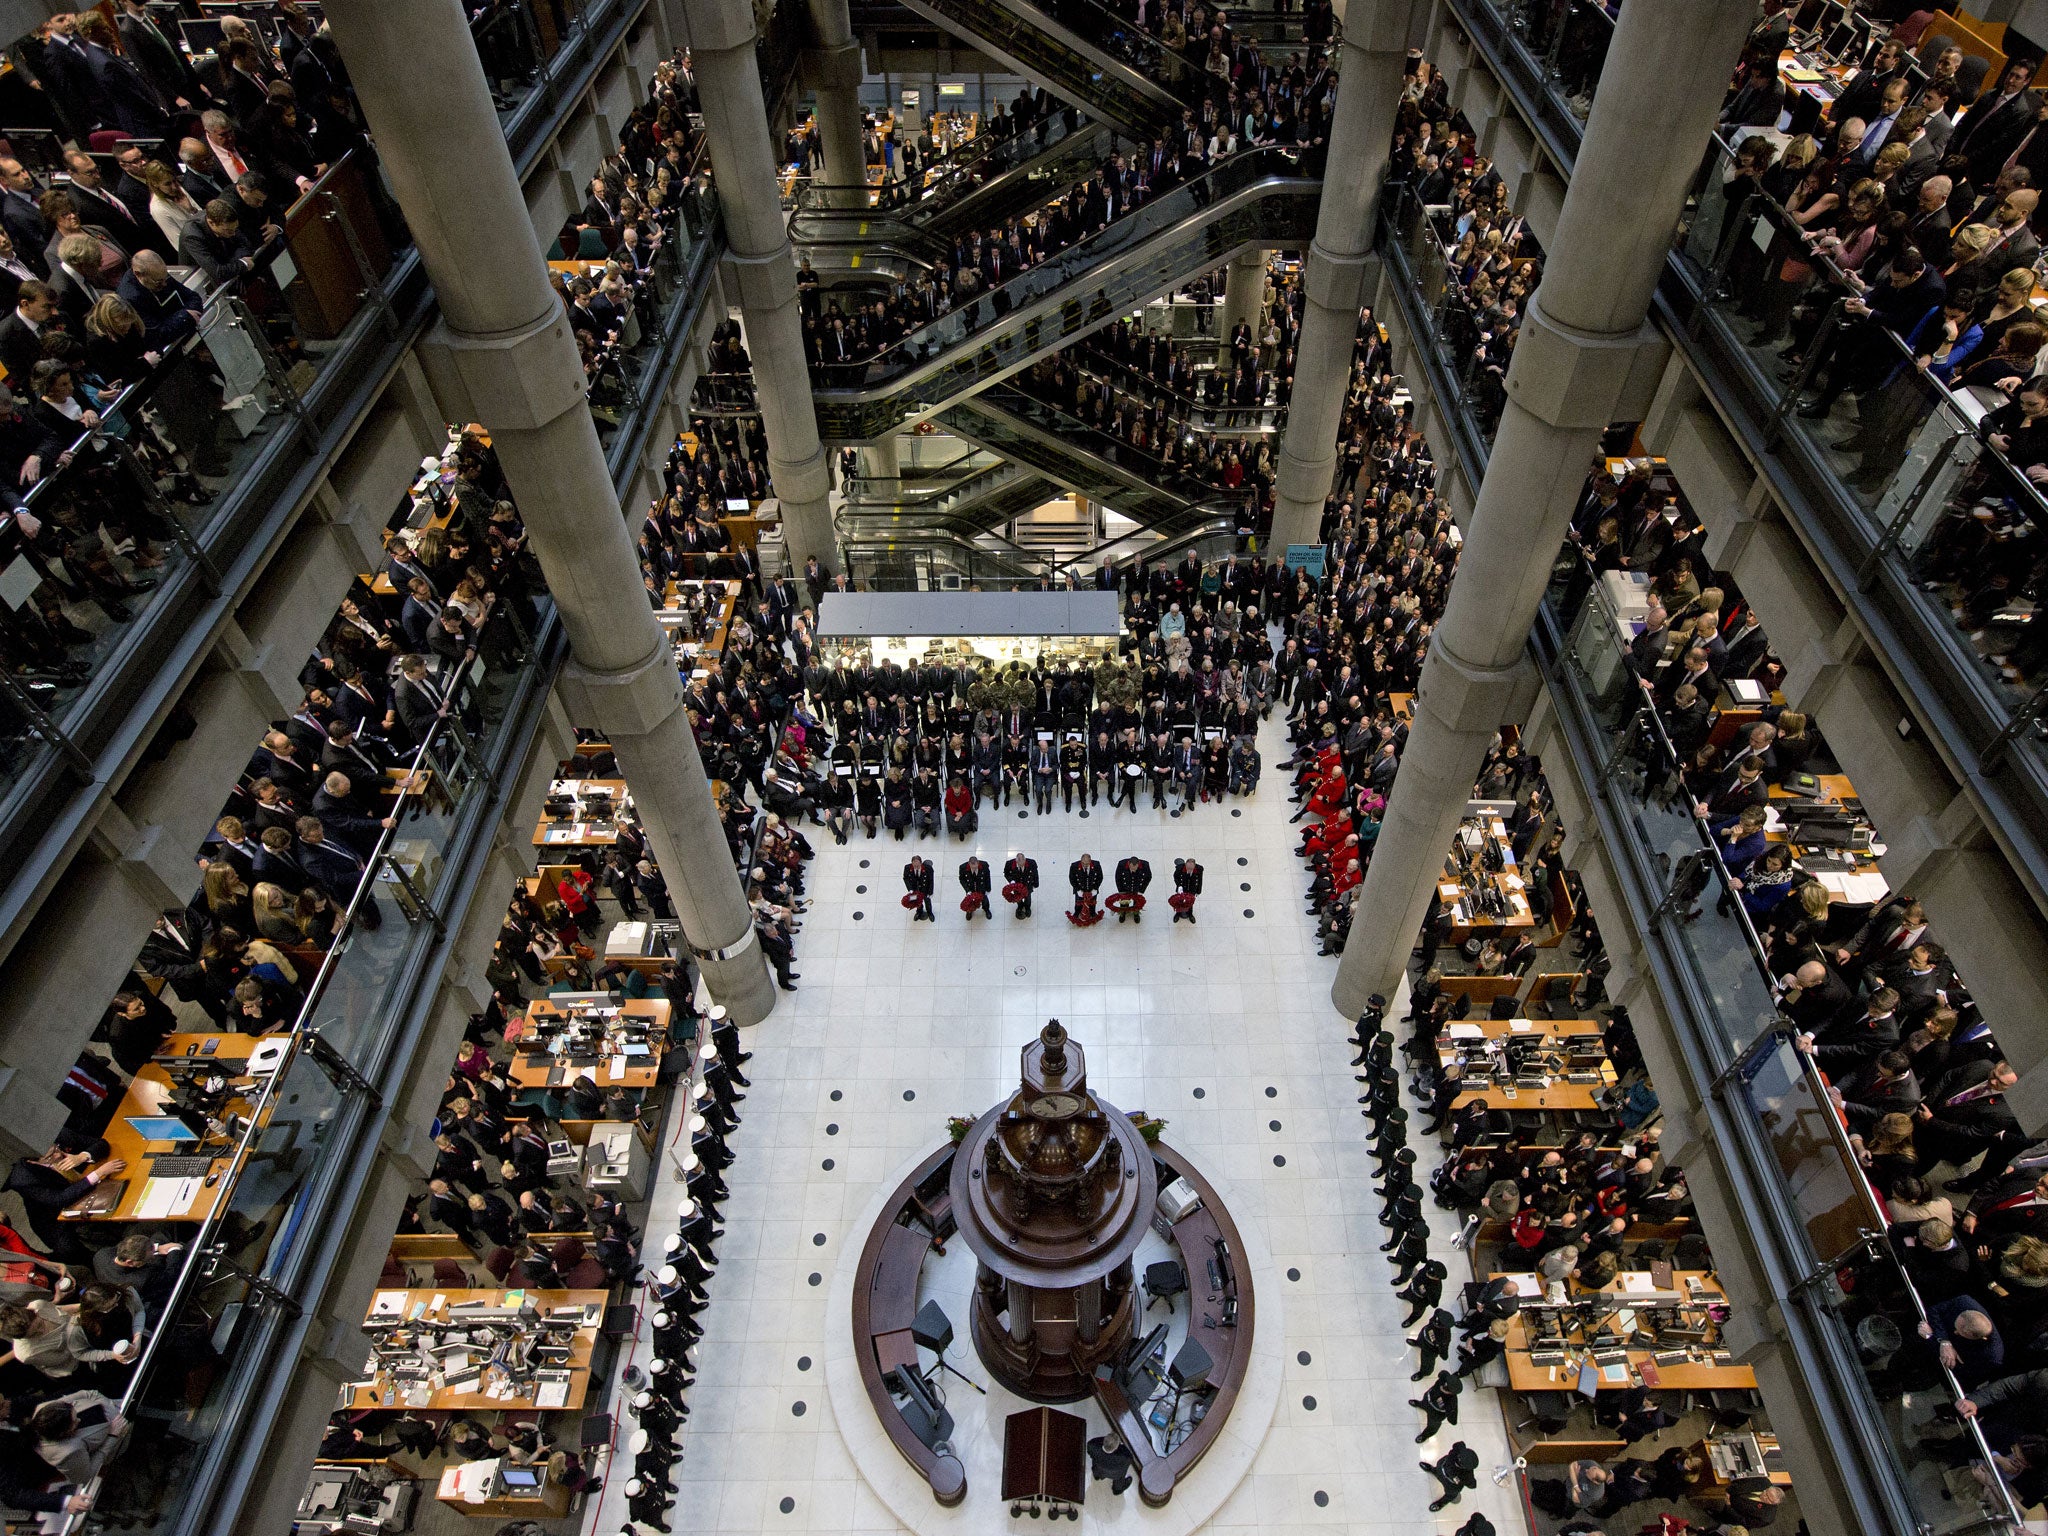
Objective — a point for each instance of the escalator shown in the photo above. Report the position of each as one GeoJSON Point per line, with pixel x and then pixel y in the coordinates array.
{"type": "Point", "coordinates": [1037, 435]}
{"type": "Point", "coordinates": [969, 508]}
{"type": "Point", "coordinates": [1011, 176]}
{"type": "Point", "coordinates": [1257, 198]}
{"type": "Point", "coordinates": [1084, 53]}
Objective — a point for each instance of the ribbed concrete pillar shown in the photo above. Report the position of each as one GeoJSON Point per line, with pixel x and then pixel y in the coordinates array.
{"type": "Point", "coordinates": [1361, 133]}
{"type": "Point", "coordinates": [504, 350]}
{"type": "Point", "coordinates": [883, 459]}
{"type": "Point", "coordinates": [833, 68]}
{"type": "Point", "coordinates": [1585, 358]}
{"type": "Point", "coordinates": [1244, 286]}
{"type": "Point", "coordinates": [760, 268]}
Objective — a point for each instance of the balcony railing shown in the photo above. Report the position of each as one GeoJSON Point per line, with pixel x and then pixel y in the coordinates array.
{"type": "Point", "coordinates": [1820, 1225]}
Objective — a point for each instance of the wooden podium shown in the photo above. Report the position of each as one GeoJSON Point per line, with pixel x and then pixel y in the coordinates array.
{"type": "Point", "coordinates": [1045, 1462]}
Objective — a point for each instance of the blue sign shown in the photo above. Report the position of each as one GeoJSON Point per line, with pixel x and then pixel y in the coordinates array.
{"type": "Point", "coordinates": [1306, 557]}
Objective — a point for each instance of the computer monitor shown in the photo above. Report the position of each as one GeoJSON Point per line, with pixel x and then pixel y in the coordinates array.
{"type": "Point", "coordinates": [523, 1478]}
{"type": "Point", "coordinates": [202, 36]}
{"type": "Point", "coordinates": [163, 1128]}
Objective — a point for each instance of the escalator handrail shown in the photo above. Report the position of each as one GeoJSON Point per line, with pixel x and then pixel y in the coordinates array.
{"type": "Point", "coordinates": [1015, 150]}
{"type": "Point", "coordinates": [1184, 209]}
{"type": "Point", "coordinates": [1074, 433]}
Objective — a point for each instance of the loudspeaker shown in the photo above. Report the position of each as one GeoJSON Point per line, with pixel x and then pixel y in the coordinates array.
{"type": "Point", "coordinates": [1190, 1368]}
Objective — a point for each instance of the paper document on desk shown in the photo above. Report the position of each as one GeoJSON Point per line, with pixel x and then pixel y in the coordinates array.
{"type": "Point", "coordinates": [388, 1304]}
{"type": "Point", "coordinates": [618, 1068]}
{"type": "Point", "coordinates": [166, 1197]}
{"type": "Point", "coordinates": [1467, 1032]}
{"type": "Point", "coordinates": [1855, 888]}
{"type": "Point", "coordinates": [1636, 1282]}
{"type": "Point", "coordinates": [553, 1394]}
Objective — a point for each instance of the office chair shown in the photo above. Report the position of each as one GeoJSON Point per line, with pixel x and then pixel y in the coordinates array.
{"type": "Point", "coordinates": [450, 1275]}
{"type": "Point", "coordinates": [1164, 1281]}
{"type": "Point", "coordinates": [590, 244]}
{"type": "Point", "coordinates": [1548, 1411]}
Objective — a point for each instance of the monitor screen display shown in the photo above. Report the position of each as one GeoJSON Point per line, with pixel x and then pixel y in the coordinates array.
{"type": "Point", "coordinates": [161, 1128]}
{"type": "Point", "coordinates": [518, 1477]}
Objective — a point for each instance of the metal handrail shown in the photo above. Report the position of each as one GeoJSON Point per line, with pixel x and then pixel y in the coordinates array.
{"type": "Point", "coordinates": [199, 1256]}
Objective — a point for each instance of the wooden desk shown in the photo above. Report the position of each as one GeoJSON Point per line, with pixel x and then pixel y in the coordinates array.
{"type": "Point", "coordinates": [553, 1071]}
{"type": "Point", "coordinates": [369, 1394]}
{"type": "Point", "coordinates": [1524, 1375]}
{"type": "Point", "coordinates": [1507, 881]}
{"type": "Point", "coordinates": [581, 834]}
{"type": "Point", "coordinates": [1833, 786]}
{"type": "Point", "coordinates": [146, 1095]}
{"type": "Point", "coordinates": [548, 1502]}
{"type": "Point", "coordinates": [1560, 1095]}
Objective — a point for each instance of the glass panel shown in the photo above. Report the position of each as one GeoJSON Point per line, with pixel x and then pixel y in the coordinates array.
{"type": "Point", "coordinates": [1833, 1199]}
{"type": "Point", "coordinates": [520, 44]}
{"type": "Point", "coordinates": [1727, 960]}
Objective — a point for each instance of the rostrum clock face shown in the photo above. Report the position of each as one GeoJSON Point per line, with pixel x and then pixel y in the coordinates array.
{"type": "Point", "coordinates": [1055, 1106]}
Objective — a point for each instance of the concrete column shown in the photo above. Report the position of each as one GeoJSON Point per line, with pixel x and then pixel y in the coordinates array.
{"type": "Point", "coordinates": [1585, 358]}
{"type": "Point", "coordinates": [760, 269]}
{"type": "Point", "coordinates": [1361, 134]}
{"type": "Point", "coordinates": [882, 459]}
{"type": "Point", "coordinates": [503, 349]}
{"type": "Point", "coordinates": [833, 68]}
{"type": "Point", "coordinates": [1244, 285]}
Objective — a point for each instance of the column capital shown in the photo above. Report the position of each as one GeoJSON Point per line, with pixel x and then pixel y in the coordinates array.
{"type": "Point", "coordinates": [830, 67]}
{"type": "Point", "coordinates": [1569, 378]}
{"type": "Point", "coordinates": [1463, 694]}
{"type": "Point", "coordinates": [515, 381]}
{"type": "Point", "coordinates": [762, 282]}
{"type": "Point", "coordinates": [1335, 279]}
{"type": "Point", "coordinates": [632, 701]}
{"type": "Point", "coordinates": [721, 30]}
{"type": "Point", "coordinates": [1379, 26]}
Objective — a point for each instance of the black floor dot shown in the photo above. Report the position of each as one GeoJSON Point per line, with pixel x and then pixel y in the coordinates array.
{"type": "Point", "coordinates": [817, 1239]}
{"type": "Point", "coordinates": [1236, 812]}
{"type": "Point", "coordinates": [860, 890]}
{"type": "Point", "coordinates": [803, 1362]}
{"type": "Point", "coordinates": [909, 1094]}
{"type": "Point", "coordinates": [858, 916]}
{"type": "Point", "coordinates": [1022, 814]}
{"type": "Point", "coordinates": [837, 1095]}
{"type": "Point", "coordinates": [1247, 911]}
{"type": "Point", "coordinates": [788, 1506]}
{"type": "Point", "coordinates": [1201, 1093]}
{"type": "Point", "coordinates": [1272, 1125]}
{"type": "Point", "coordinates": [1279, 1160]}
{"type": "Point", "coordinates": [1294, 1274]}
{"type": "Point", "coordinates": [863, 863]}
{"type": "Point", "coordinates": [1272, 1092]}
{"type": "Point", "coordinates": [816, 1278]}
{"type": "Point", "coordinates": [1302, 1358]}
{"type": "Point", "coordinates": [832, 1129]}
{"type": "Point", "coordinates": [1307, 1402]}
{"type": "Point", "coordinates": [1244, 885]}
{"type": "Point", "coordinates": [1322, 1499]}
{"type": "Point", "coordinates": [1242, 862]}
{"type": "Point", "coordinates": [1084, 815]}
{"type": "Point", "coordinates": [827, 1165]}
{"type": "Point", "coordinates": [1174, 814]}
{"type": "Point", "coordinates": [799, 1407]}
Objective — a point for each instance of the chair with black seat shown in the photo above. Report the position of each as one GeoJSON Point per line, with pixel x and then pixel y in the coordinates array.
{"type": "Point", "coordinates": [1550, 1412]}
{"type": "Point", "coordinates": [1733, 1407]}
{"type": "Point", "coordinates": [450, 1275]}
{"type": "Point", "coordinates": [1164, 1281]}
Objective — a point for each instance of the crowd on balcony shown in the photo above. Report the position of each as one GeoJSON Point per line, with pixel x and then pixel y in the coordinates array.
{"type": "Point", "coordinates": [1897, 241]}
{"type": "Point", "coordinates": [159, 182]}
{"type": "Point", "coordinates": [1490, 260]}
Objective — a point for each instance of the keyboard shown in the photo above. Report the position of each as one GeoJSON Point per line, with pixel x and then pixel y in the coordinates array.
{"type": "Point", "coordinates": [180, 1167]}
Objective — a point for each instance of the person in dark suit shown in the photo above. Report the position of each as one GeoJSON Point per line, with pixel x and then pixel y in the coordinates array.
{"type": "Point", "coordinates": [128, 100]}
{"type": "Point", "coordinates": [1020, 869]}
{"type": "Point", "coordinates": [918, 882]}
{"type": "Point", "coordinates": [160, 59]}
{"type": "Point", "coordinates": [21, 333]}
{"type": "Point", "coordinates": [1988, 133]}
{"type": "Point", "coordinates": [1965, 1115]}
{"type": "Point", "coordinates": [976, 882]}
{"type": "Point", "coordinates": [21, 217]}
{"type": "Point", "coordinates": [1133, 878]}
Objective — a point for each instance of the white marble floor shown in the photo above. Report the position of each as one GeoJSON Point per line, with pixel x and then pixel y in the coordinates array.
{"type": "Point", "coordinates": [1223, 1028]}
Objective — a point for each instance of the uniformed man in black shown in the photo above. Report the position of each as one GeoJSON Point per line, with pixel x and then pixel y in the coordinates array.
{"type": "Point", "coordinates": [1130, 766]}
{"type": "Point", "coordinates": [1159, 768]}
{"type": "Point", "coordinates": [1187, 881]}
{"type": "Point", "coordinates": [1133, 875]}
{"type": "Point", "coordinates": [975, 881]}
{"type": "Point", "coordinates": [917, 880]}
{"type": "Point", "coordinates": [1016, 770]}
{"type": "Point", "coordinates": [1085, 876]}
{"type": "Point", "coordinates": [1073, 772]}
{"type": "Point", "coordinates": [1020, 870]}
